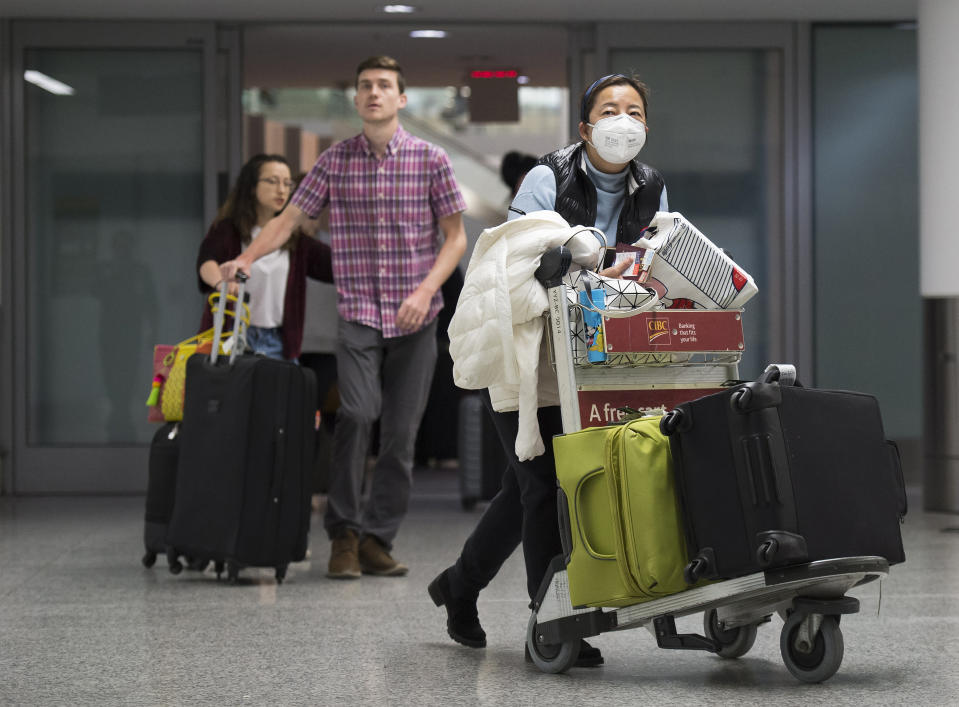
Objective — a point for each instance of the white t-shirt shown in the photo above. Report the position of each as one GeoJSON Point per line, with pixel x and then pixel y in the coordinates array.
{"type": "Point", "coordinates": [267, 286]}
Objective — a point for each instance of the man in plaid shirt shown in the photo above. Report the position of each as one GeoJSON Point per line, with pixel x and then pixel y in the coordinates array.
{"type": "Point", "coordinates": [396, 235]}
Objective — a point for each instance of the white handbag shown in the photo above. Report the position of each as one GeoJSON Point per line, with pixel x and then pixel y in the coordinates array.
{"type": "Point", "coordinates": [689, 266]}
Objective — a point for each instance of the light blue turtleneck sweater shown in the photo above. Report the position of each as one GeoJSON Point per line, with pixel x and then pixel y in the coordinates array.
{"type": "Point", "coordinates": [538, 193]}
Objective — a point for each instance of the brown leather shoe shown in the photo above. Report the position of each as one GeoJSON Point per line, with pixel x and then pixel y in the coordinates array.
{"type": "Point", "coordinates": [344, 557]}
{"type": "Point", "coordinates": [374, 559]}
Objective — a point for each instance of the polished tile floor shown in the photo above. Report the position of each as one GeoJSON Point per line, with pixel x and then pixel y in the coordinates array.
{"type": "Point", "coordinates": [83, 623]}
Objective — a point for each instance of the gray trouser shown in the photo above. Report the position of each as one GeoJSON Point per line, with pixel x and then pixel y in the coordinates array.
{"type": "Point", "coordinates": [387, 379]}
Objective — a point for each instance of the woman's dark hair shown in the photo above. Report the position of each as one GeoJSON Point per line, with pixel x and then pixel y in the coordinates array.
{"type": "Point", "coordinates": [590, 94]}
{"type": "Point", "coordinates": [240, 205]}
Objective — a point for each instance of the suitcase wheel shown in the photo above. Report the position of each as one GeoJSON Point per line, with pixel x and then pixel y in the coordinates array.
{"type": "Point", "coordinates": [232, 572]}
{"type": "Point", "coordinates": [281, 573]}
{"type": "Point", "coordinates": [670, 422]}
{"type": "Point", "coordinates": [740, 399]}
{"type": "Point", "coordinates": [218, 568]}
{"type": "Point", "coordinates": [695, 570]}
{"type": "Point", "coordinates": [766, 552]}
{"type": "Point", "coordinates": [149, 559]}
{"type": "Point", "coordinates": [196, 565]}
{"type": "Point", "coordinates": [173, 561]}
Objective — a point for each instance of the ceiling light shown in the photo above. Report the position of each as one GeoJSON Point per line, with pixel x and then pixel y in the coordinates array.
{"type": "Point", "coordinates": [47, 83]}
{"type": "Point", "coordinates": [522, 80]}
{"type": "Point", "coordinates": [399, 9]}
{"type": "Point", "coordinates": [428, 34]}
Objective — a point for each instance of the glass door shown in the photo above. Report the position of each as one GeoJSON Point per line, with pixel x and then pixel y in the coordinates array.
{"type": "Point", "coordinates": [717, 133]}
{"type": "Point", "coordinates": [115, 177]}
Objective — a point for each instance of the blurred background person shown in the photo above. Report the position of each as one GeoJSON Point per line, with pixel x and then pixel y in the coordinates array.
{"type": "Point", "coordinates": [514, 167]}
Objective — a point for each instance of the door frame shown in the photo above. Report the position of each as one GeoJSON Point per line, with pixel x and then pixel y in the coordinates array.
{"type": "Point", "coordinates": [78, 469]}
{"type": "Point", "coordinates": [790, 239]}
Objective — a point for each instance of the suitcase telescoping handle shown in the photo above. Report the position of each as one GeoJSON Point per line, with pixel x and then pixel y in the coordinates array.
{"type": "Point", "coordinates": [220, 314]}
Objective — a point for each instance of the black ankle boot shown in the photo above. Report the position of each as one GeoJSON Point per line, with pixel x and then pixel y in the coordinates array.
{"type": "Point", "coordinates": [462, 619]}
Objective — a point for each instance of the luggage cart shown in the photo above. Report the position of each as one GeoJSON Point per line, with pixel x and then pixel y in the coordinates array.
{"type": "Point", "coordinates": [655, 360]}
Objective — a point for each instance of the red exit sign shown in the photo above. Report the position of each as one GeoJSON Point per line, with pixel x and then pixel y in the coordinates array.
{"type": "Point", "coordinates": [498, 74]}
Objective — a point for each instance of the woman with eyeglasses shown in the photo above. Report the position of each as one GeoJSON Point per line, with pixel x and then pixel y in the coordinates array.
{"type": "Point", "coordinates": [277, 283]}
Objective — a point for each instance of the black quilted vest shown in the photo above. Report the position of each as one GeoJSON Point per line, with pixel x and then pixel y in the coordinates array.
{"type": "Point", "coordinates": [576, 194]}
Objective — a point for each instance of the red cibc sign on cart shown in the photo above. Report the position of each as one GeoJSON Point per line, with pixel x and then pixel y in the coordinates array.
{"type": "Point", "coordinates": [681, 331]}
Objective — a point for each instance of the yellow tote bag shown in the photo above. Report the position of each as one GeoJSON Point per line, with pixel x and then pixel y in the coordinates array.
{"type": "Point", "coordinates": [169, 367]}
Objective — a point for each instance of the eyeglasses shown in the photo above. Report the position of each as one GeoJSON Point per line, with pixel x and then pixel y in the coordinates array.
{"type": "Point", "coordinates": [276, 182]}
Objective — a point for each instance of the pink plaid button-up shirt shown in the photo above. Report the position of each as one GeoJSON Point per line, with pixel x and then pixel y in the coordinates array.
{"type": "Point", "coordinates": [384, 233]}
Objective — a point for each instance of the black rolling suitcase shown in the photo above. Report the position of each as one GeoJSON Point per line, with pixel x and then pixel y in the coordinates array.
{"type": "Point", "coordinates": [482, 460]}
{"type": "Point", "coordinates": [161, 489]}
{"type": "Point", "coordinates": [772, 474]}
{"type": "Point", "coordinates": [246, 456]}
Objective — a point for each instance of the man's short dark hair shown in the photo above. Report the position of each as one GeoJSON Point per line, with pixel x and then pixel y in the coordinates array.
{"type": "Point", "coordinates": [382, 62]}
{"type": "Point", "coordinates": [590, 94]}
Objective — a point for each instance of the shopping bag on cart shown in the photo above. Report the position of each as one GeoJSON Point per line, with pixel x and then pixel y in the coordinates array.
{"type": "Point", "coordinates": [681, 264]}
{"type": "Point", "coordinates": [622, 298]}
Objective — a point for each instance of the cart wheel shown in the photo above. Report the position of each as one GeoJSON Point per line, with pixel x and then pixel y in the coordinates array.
{"type": "Point", "coordinates": [550, 658]}
{"type": "Point", "coordinates": [670, 422]}
{"type": "Point", "coordinates": [149, 559]}
{"type": "Point", "coordinates": [733, 642]}
{"type": "Point", "coordinates": [814, 660]}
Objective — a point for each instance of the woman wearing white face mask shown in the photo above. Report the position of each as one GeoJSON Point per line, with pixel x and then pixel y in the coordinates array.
{"type": "Point", "coordinates": [599, 181]}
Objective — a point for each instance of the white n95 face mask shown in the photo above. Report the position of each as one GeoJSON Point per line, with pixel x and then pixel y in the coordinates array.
{"type": "Point", "coordinates": [618, 138]}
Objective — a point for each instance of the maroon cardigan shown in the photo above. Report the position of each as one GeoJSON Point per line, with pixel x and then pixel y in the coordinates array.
{"type": "Point", "coordinates": [308, 258]}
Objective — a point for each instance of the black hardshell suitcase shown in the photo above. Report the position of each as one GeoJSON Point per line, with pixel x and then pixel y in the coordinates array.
{"type": "Point", "coordinates": [772, 474]}
{"type": "Point", "coordinates": [161, 490]}
{"type": "Point", "coordinates": [482, 460]}
{"type": "Point", "coordinates": [246, 456]}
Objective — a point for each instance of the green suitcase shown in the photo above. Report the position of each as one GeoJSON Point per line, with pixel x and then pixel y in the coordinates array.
{"type": "Point", "coordinates": [649, 531]}
{"type": "Point", "coordinates": [619, 558]}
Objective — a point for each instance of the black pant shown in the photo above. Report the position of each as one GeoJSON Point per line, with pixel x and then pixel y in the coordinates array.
{"type": "Point", "coordinates": [523, 511]}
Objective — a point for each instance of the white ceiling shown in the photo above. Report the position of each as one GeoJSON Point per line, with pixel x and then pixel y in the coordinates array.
{"type": "Point", "coordinates": [468, 10]}
{"type": "Point", "coordinates": [327, 55]}
{"type": "Point", "coordinates": [319, 42]}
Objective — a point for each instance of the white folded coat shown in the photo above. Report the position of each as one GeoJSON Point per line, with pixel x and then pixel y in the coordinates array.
{"type": "Point", "coordinates": [496, 333]}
